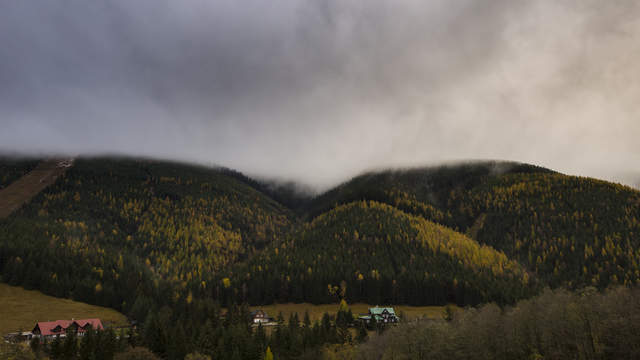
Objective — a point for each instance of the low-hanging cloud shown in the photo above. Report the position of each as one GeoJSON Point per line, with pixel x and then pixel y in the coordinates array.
{"type": "Point", "coordinates": [317, 91]}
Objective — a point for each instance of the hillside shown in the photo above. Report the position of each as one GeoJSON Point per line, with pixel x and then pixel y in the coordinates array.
{"type": "Point", "coordinates": [190, 226]}
{"type": "Point", "coordinates": [27, 186]}
{"type": "Point", "coordinates": [11, 169]}
{"type": "Point", "coordinates": [20, 309]}
{"type": "Point", "coordinates": [169, 244]}
{"type": "Point", "coordinates": [372, 252]}
{"type": "Point", "coordinates": [422, 191]}
{"type": "Point", "coordinates": [111, 228]}
{"type": "Point", "coordinates": [571, 231]}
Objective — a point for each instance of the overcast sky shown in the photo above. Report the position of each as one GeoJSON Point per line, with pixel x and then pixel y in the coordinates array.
{"type": "Point", "coordinates": [320, 90]}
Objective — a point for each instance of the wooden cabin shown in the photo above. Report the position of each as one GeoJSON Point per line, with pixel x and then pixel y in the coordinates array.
{"type": "Point", "coordinates": [259, 316]}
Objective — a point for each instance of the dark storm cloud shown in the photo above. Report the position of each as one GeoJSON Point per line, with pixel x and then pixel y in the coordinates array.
{"type": "Point", "coordinates": [317, 91]}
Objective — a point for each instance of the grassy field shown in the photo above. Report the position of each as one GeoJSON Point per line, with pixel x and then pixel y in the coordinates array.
{"type": "Point", "coordinates": [20, 309]}
{"type": "Point", "coordinates": [316, 311]}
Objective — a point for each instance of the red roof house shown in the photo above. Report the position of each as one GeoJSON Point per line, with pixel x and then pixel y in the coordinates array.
{"type": "Point", "coordinates": [59, 327]}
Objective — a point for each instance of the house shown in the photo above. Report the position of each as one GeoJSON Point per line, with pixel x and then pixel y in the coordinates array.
{"type": "Point", "coordinates": [50, 329]}
{"type": "Point", "coordinates": [18, 337]}
{"type": "Point", "coordinates": [259, 316]}
{"type": "Point", "coordinates": [380, 315]}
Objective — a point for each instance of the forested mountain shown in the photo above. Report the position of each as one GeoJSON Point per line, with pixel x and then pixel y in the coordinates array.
{"type": "Point", "coordinates": [109, 221]}
{"type": "Point", "coordinates": [571, 231]}
{"type": "Point", "coordinates": [424, 191]}
{"type": "Point", "coordinates": [372, 252]}
{"type": "Point", "coordinates": [149, 237]}
{"type": "Point", "coordinates": [191, 225]}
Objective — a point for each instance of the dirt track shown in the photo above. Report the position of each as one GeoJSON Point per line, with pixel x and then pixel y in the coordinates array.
{"type": "Point", "coordinates": [24, 189]}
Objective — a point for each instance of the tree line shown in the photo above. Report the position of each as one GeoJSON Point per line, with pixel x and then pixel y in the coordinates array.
{"type": "Point", "coordinates": [557, 324]}
{"type": "Point", "coordinates": [221, 335]}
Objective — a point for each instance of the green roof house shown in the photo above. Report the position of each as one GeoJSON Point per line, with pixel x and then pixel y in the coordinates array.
{"type": "Point", "coordinates": [381, 315]}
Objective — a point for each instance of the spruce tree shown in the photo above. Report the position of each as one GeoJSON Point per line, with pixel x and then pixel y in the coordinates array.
{"type": "Point", "coordinates": [235, 355]}
{"type": "Point", "coordinates": [207, 340]}
{"type": "Point", "coordinates": [87, 344]}
{"type": "Point", "coordinates": [70, 345]}
{"type": "Point", "coordinates": [56, 349]}
{"type": "Point", "coordinates": [362, 333]}
{"type": "Point", "coordinates": [36, 346]}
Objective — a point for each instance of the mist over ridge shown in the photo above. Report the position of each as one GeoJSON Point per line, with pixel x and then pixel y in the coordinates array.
{"type": "Point", "coordinates": [319, 92]}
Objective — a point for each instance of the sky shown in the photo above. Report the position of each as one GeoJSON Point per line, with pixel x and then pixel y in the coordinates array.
{"type": "Point", "coordinates": [318, 91]}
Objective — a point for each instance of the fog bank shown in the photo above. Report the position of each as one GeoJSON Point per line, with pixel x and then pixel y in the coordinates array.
{"type": "Point", "coordinates": [319, 91]}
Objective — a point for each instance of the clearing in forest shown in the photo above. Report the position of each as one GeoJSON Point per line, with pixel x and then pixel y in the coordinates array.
{"type": "Point", "coordinates": [24, 189]}
{"type": "Point", "coordinates": [316, 311]}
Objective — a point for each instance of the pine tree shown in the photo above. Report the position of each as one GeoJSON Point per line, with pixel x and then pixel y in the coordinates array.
{"type": "Point", "coordinates": [108, 343]}
{"type": "Point", "coordinates": [123, 341]}
{"type": "Point", "coordinates": [70, 345]}
{"type": "Point", "coordinates": [307, 319]}
{"type": "Point", "coordinates": [56, 349]}
{"type": "Point", "coordinates": [133, 339]}
{"type": "Point", "coordinates": [260, 337]}
{"type": "Point", "coordinates": [36, 346]}
{"type": "Point", "coordinates": [154, 334]}
{"type": "Point", "coordinates": [178, 346]}
{"type": "Point", "coordinates": [362, 333]}
{"type": "Point", "coordinates": [207, 341]}
{"type": "Point", "coordinates": [235, 355]}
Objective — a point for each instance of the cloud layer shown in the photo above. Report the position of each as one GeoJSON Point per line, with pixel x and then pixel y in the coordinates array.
{"type": "Point", "coordinates": [318, 91]}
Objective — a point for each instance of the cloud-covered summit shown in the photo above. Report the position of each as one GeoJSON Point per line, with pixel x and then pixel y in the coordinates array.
{"type": "Point", "coordinates": [318, 91]}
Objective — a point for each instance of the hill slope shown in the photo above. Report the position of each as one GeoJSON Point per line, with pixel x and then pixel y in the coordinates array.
{"type": "Point", "coordinates": [30, 184]}
{"type": "Point", "coordinates": [111, 228]}
{"type": "Point", "coordinates": [114, 231]}
{"type": "Point", "coordinates": [20, 309]}
{"type": "Point", "coordinates": [423, 191]}
{"type": "Point", "coordinates": [375, 253]}
{"type": "Point", "coordinates": [11, 169]}
{"type": "Point", "coordinates": [569, 230]}
{"type": "Point", "coordinates": [572, 231]}
{"type": "Point", "coordinates": [163, 242]}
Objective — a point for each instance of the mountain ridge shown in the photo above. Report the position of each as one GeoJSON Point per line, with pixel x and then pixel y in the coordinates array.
{"type": "Point", "coordinates": [188, 231]}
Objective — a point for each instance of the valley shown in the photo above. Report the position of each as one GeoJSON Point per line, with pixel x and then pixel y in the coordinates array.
{"type": "Point", "coordinates": [316, 312]}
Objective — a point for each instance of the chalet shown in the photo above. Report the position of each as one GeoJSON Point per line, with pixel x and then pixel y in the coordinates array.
{"type": "Point", "coordinates": [50, 329]}
{"type": "Point", "coordinates": [259, 316]}
{"type": "Point", "coordinates": [380, 315]}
